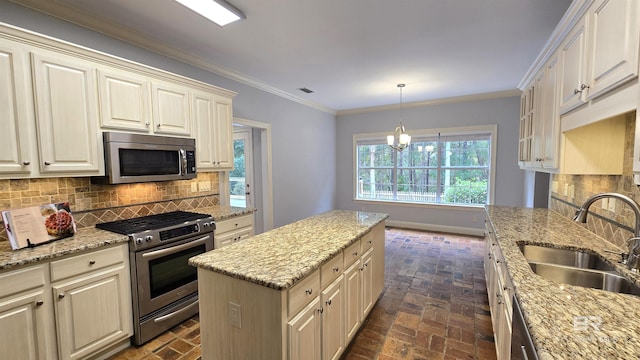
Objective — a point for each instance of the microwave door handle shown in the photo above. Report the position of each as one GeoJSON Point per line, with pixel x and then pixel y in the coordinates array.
{"type": "Point", "coordinates": [183, 162]}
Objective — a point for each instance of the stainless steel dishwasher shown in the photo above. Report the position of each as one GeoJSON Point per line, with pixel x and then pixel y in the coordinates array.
{"type": "Point", "coordinates": [521, 344]}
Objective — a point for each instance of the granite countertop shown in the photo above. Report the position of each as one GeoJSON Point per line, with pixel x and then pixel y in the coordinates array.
{"type": "Point", "coordinates": [89, 238]}
{"type": "Point", "coordinates": [281, 257]}
{"type": "Point", "coordinates": [567, 322]}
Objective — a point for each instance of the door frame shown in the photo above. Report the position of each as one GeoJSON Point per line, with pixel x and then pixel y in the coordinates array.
{"type": "Point", "coordinates": [266, 173]}
{"type": "Point", "coordinates": [246, 134]}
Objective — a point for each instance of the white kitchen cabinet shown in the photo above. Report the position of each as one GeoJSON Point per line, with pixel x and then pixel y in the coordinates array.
{"type": "Point", "coordinates": [223, 133]}
{"type": "Point", "coordinates": [214, 133]}
{"type": "Point", "coordinates": [333, 320]}
{"type": "Point", "coordinates": [366, 271]}
{"type": "Point", "coordinates": [26, 315]}
{"type": "Point", "coordinates": [66, 115]}
{"type": "Point", "coordinates": [613, 44]}
{"type": "Point", "coordinates": [500, 292]}
{"type": "Point", "coordinates": [15, 112]}
{"type": "Point", "coordinates": [232, 230]}
{"type": "Point", "coordinates": [83, 284]}
{"type": "Point", "coordinates": [305, 333]}
{"type": "Point", "coordinates": [600, 53]}
{"type": "Point", "coordinates": [171, 110]}
{"type": "Point", "coordinates": [525, 140]}
{"type": "Point", "coordinates": [353, 292]}
{"type": "Point", "coordinates": [125, 101]}
{"type": "Point", "coordinates": [574, 68]}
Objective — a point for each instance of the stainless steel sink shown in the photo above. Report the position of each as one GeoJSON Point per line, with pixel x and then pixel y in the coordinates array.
{"type": "Point", "coordinates": [579, 259]}
{"type": "Point", "coordinates": [597, 279]}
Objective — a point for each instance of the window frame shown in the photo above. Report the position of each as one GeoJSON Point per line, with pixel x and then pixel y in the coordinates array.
{"type": "Point", "coordinates": [492, 130]}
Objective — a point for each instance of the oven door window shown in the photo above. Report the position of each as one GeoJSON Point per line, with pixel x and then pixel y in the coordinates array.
{"type": "Point", "coordinates": [138, 162]}
{"type": "Point", "coordinates": [172, 271]}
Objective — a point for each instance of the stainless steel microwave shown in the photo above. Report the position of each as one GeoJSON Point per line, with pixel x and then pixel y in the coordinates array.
{"type": "Point", "coordinates": [133, 158]}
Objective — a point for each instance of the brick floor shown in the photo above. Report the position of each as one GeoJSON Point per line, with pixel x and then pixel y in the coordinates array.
{"type": "Point", "coordinates": [434, 306]}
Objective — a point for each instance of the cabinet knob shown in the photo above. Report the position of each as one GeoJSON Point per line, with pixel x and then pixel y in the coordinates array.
{"type": "Point", "coordinates": [370, 241]}
{"type": "Point", "coordinates": [321, 310]}
{"type": "Point", "coordinates": [158, 126]}
{"type": "Point", "coordinates": [309, 291]}
{"type": "Point", "coordinates": [39, 303]}
{"type": "Point", "coordinates": [92, 262]}
{"type": "Point", "coordinates": [61, 295]}
{"type": "Point", "coordinates": [328, 302]}
{"type": "Point", "coordinates": [355, 253]}
{"type": "Point", "coordinates": [336, 269]}
{"type": "Point", "coordinates": [25, 163]}
{"type": "Point", "coordinates": [147, 124]}
{"type": "Point", "coordinates": [47, 163]}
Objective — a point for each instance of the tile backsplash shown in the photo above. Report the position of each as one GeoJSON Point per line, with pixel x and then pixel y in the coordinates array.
{"type": "Point", "coordinates": [92, 203]}
{"type": "Point", "coordinates": [615, 226]}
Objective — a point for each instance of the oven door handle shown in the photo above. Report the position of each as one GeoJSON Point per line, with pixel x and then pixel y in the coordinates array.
{"type": "Point", "coordinates": [170, 250]}
{"type": "Point", "coordinates": [177, 312]}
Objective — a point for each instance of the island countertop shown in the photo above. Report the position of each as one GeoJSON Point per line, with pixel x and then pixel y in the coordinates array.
{"type": "Point", "coordinates": [556, 313]}
{"type": "Point", "coordinates": [89, 238]}
{"type": "Point", "coordinates": [281, 257]}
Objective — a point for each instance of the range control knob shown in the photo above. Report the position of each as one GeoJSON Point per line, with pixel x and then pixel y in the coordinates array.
{"type": "Point", "coordinates": [212, 224]}
{"type": "Point", "coordinates": [206, 224]}
{"type": "Point", "coordinates": [139, 241]}
{"type": "Point", "coordinates": [148, 238]}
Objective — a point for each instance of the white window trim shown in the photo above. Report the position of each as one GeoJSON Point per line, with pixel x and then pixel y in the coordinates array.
{"type": "Point", "coordinates": [464, 130]}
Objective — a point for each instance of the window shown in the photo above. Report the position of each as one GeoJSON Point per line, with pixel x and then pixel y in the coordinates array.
{"type": "Point", "coordinates": [446, 166]}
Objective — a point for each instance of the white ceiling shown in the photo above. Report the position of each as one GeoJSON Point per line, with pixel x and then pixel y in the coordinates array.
{"type": "Point", "coordinates": [351, 53]}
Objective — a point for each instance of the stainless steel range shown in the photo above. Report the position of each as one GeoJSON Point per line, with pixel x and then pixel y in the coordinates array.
{"type": "Point", "coordinates": [164, 286]}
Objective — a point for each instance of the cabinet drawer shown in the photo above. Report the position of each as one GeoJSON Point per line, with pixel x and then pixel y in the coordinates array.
{"type": "Point", "coordinates": [80, 264]}
{"type": "Point", "coordinates": [303, 292]}
{"type": "Point", "coordinates": [233, 223]}
{"type": "Point", "coordinates": [16, 281]}
{"type": "Point", "coordinates": [366, 242]}
{"type": "Point", "coordinates": [351, 254]}
{"type": "Point", "coordinates": [331, 270]}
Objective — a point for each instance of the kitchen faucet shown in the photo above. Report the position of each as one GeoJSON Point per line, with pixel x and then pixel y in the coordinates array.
{"type": "Point", "coordinates": [632, 260]}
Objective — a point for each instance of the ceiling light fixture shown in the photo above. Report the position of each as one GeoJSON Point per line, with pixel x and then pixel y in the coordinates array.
{"type": "Point", "coordinates": [218, 11]}
{"type": "Point", "coordinates": [400, 140]}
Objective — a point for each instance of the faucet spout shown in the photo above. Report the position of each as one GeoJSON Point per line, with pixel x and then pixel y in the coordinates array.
{"type": "Point", "coordinates": [581, 214]}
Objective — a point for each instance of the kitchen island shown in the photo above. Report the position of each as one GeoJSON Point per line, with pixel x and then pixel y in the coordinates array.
{"type": "Point", "coordinates": [300, 291]}
{"type": "Point", "coordinates": [566, 322]}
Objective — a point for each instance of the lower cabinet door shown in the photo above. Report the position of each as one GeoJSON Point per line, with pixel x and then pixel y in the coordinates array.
{"type": "Point", "coordinates": [366, 270]}
{"type": "Point", "coordinates": [352, 291]}
{"type": "Point", "coordinates": [82, 330]}
{"type": "Point", "coordinates": [23, 327]}
{"type": "Point", "coordinates": [333, 320]}
{"type": "Point", "coordinates": [304, 333]}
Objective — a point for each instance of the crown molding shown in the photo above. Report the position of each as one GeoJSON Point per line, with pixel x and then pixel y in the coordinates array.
{"type": "Point", "coordinates": [450, 100]}
{"type": "Point", "coordinates": [87, 20]}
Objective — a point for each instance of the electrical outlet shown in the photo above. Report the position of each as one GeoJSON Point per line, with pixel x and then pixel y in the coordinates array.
{"type": "Point", "coordinates": [204, 185]}
{"type": "Point", "coordinates": [604, 203]}
{"type": "Point", "coordinates": [566, 189]}
{"type": "Point", "coordinates": [554, 186]}
{"type": "Point", "coordinates": [194, 187]}
{"type": "Point", "coordinates": [612, 205]}
{"type": "Point", "coordinates": [235, 314]}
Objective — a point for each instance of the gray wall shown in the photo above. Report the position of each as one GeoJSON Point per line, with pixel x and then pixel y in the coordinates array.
{"type": "Point", "coordinates": [303, 138]}
{"type": "Point", "coordinates": [509, 178]}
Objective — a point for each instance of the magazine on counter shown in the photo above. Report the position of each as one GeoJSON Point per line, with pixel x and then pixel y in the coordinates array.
{"type": "Point", "coordinates": [38, 224]}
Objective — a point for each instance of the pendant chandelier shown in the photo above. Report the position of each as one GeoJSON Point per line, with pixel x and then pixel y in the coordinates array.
{"type": "Point", "coordinates": [400, 140]}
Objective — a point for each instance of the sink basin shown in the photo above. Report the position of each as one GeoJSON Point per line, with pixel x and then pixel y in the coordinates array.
{"type": "Point", "coordinates": [597, 279]}
{"type": "Point", "coordinates": [578, 259]}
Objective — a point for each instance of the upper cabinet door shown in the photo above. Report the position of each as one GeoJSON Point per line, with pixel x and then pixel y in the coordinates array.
{"type": "Point", "coordinates": [613, 52]}
{"type": "Point", "coordinates": [224, 133]}
{"type": "Point", "coordinates": [203, 111]}
{"type": "Point", "coordinates": [572, 57]}
{"type": "Point", "coordinates": [125, 101]}
{"type": "Point", "coordinates": [171, 109]}
{"type": "Point", "coordinates": [67, 115]}
{"type": "Point", "coordinates": [15, 120]}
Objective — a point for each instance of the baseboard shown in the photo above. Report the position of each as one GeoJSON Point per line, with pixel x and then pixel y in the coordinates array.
{"type": "Point", "coordinates": [434, 227]}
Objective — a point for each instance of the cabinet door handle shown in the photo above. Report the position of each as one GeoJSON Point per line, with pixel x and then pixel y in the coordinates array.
{"type": "Point", "coordinates": [147, 124]}
{"type": "Point", "coordinates": [309, 291]}
{"type": "Point", "coordinates": [39, 303]}
{"type": "Point", "coordinates": [61, 295]}
{"type": "Point", "coordinates": [355, 253]}
{"type": "Point", "coordinates": [158, 126]}
{"type": "Point", "coordinates": [328, 302]}
{"type": "Point", "coordinates": [321, 310]}
{"type": "Point", "coordinates": [92, 262]}
{"type": "Point", "coordinates": [336, 269]}
{"type": "Point", "coordinates": [47, 163]}
{"type": "Point", "coordinates": [26, 163]}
